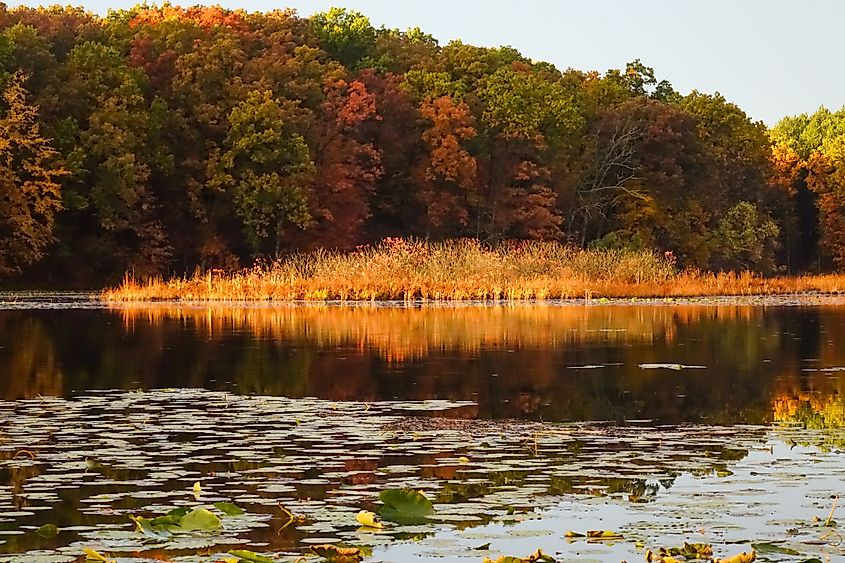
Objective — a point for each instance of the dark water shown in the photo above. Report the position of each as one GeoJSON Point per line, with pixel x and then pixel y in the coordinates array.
{"type": "Point", "coordinates": [539, 362]}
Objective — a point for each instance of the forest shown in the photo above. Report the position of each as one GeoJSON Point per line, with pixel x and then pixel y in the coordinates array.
{"type": "Point", "coordinates": [156, 140]}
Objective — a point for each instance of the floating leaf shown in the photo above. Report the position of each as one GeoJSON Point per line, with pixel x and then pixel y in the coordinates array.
{"type": "Point", "coordinates": [368, 519]}
{"type": "Point", "coordinates": [94, 555]}
{"type": "Point", "coordinates": [769, 547]}
{"type": "Point", "coordinates": [200, 519]}
{"type": "Point", "coordinates": [688, 551]}
{"type": "Point", "coordinates": [228, 508]}
{"type": "Point", "coordinates": [571, 534]}
{"type": "Point", "coordinates": [146, 527]}
{"type": "Point", "coordinates": [744, 557]}
{"type": "Point", "coordinates": [482, 547]}
{"type": "Point", "coordinates": [197, 490]}
{"type": "Point", "coordinates": [48, 531]}
{"type": "Point", "coordinates": [676, 367]}
{"type": "Point", "coordinates": [536, 557]}
{"type": "Point", "coordinates": [338, 554]}
{"type": "Point", "coordinates": [603, 535]}
{"type": "Point", "coordinates": [172, 518]}
{"type": "Point", "coordinates": [250, 556]}
{"type": "Point", "coordinates": [405, 506]}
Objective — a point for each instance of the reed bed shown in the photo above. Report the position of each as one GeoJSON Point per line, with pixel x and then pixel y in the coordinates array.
{"type": "Point", "coordinates": [407, 270]}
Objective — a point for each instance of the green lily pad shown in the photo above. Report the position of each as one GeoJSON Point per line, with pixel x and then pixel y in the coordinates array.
{"type": "Point", "coordinates": [228, 508]}
{"type": "Point", "coordinates": [48, 531]}
{"type": "Point", "coordinates": [405, 506]}
{"type": "Point", "coordinates": [200, 519]}
{"type": "Point", "coordinates": [768, 547]}
{"type": "Point", "coordinates": [250, 556]}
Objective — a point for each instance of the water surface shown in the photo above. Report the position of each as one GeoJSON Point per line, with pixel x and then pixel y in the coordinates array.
{"type": "Point", "coordinates": [716, 422]}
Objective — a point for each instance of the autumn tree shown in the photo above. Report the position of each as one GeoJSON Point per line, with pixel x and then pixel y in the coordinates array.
{"type": "Point", "coordinates": [29, 188]}
{"type": "Point", "coordinates": [526, 117]}
{"type": "Point", "coordinates": [347, 165]}
{"type": "Point", "coordinates": [447, 176]}
{"type": "Point", "coordinates": [207, 136]}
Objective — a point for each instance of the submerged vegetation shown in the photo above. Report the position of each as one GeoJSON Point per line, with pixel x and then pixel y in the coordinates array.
{"type": "Point", "coordinates": [399, 269]}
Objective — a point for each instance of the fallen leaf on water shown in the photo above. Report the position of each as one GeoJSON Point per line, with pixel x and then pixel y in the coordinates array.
{"type": "Point", "coordinates": [368, 519]}
{"type": "Point", "coordinates": [688, 551]}
{"type": "Point", "coordinates": [744, 557]}
{"type": "Point", "coordinates": [571, 534]}
{"type": "Point", "coordinates": [603, 535]}
{"type": "Point", "coordinates": [652, 557]}
{"type": "Point", "coordinates": [197, 490]}
{"type": "Point", "coordinates": [94, 555]}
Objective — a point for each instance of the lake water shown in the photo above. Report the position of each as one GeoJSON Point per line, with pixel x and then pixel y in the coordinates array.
{"type": "Point", "coordinates": [716, 422]}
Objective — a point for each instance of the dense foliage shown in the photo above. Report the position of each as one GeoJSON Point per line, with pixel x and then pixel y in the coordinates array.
{"type": "Point", "coordinates": [160, 138]}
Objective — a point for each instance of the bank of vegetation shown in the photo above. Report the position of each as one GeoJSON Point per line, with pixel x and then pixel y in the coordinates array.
{"type": "Point", "coordinates": [399, 269]}
{"type": "Point", "coordinates": [158, 139]}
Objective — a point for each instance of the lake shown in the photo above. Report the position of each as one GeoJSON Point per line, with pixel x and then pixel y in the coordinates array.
{"type": "Point", "coordinates": [717, 421]}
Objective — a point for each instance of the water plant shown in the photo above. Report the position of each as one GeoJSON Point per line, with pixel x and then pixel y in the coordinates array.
{"type": "Point", "coordinates": [460, 270]}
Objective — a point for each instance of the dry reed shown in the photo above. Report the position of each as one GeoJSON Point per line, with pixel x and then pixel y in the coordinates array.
{"type": "Point", "coordinates": [406, 270]}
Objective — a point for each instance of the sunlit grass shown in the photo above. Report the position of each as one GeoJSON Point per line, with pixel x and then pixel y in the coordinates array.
{"type": "Point", "coordinates": [461, 270]}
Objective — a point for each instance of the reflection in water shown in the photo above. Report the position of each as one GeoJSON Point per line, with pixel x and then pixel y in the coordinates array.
{"type": "Point", "coordinates": [549, 362]}
{"type": "Point", "coordinates": [811, 411]}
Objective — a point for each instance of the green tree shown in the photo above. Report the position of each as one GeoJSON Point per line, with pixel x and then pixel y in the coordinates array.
{"type": "Point", "coordinates": [345, 35]}
{"type": "Point", "coordinates": [745, 239]}
{"type": "Point", "coordinates": [266, 168]}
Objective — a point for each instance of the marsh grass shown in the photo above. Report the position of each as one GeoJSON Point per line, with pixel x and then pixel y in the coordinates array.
{"type": "Point", "coordinates": [399, 269]}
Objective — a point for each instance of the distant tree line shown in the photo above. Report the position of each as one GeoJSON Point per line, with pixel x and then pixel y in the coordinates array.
{"type": "Point", "coordinates": [156, 139]}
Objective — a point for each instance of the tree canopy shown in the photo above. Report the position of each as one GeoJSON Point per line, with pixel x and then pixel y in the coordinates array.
{"type": "Point", "coordinates": [156, 139]}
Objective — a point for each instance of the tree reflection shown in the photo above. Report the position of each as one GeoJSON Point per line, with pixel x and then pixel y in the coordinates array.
{"type": "Point", "coordinates": [549, 362]}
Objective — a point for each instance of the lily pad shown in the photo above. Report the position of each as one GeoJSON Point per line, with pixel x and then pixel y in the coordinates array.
{"type": "Point", "coordinates": [228, 508]}
{"type": "Point", "coordinates": [250, 556]}
{"type": "Point", "coordinates": [405, 506]}
{"type": "Point", "coordinates": [48, 531]}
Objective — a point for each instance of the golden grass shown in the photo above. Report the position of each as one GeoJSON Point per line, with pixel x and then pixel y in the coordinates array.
{"type": "Point", "coordinates": [462, 270]}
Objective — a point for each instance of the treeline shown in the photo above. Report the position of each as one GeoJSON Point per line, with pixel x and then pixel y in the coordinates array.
{"type": "Point", "coordinates": [156, 139]}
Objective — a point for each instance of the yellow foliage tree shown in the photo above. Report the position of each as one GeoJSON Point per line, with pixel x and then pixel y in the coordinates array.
{"type": "Point", "coordinates": [30, 195]}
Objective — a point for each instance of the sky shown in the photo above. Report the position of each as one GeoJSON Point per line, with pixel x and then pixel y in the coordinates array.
{"type": "Point", "coordinates": [771, 57]}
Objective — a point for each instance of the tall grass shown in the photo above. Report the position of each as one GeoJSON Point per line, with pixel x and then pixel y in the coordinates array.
{"type": "Point", "coordinates": [399, 269]}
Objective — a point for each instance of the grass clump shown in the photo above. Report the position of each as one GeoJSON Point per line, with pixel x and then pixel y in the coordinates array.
{"type": "Point", "coordinates": [459, 270]}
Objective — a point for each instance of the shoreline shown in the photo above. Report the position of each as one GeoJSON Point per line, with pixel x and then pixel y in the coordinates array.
{"type": "Point", "coordinates": [464, 270]}
{"type": "Point", "coordinates": [29, 300]}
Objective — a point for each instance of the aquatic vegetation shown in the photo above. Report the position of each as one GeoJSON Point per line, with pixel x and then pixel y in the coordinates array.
{"type": "Point", "coordinates": [461, 270]}
{"type": "Point", "coordinates": [114, 472]}
{"type": "Point", "coordinates": [536, 557]}
{"type": "Point", "coordinates": [405, 506]}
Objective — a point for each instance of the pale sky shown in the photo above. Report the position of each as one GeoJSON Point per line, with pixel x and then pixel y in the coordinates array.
{"type": "Point", "coordinates": [770, 57]}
